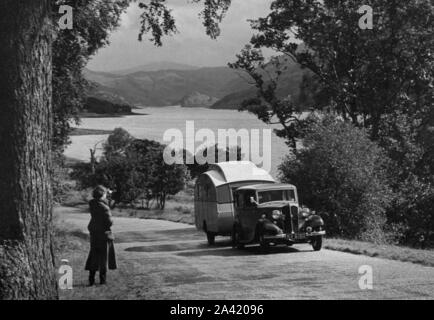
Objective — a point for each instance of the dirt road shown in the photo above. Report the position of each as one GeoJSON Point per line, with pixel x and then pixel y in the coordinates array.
{"type": "Point", "coordinates": [162, 260]}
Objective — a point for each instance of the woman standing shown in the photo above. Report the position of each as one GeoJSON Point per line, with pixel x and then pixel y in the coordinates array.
{"type": "Point", "coordinates": [102, 251]}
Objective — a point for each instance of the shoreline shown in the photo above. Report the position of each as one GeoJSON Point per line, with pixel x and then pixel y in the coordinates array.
{"type": "Point", "coordinates": [88, 132]}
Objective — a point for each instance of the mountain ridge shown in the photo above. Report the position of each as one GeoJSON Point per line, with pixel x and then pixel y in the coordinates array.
{"type": "Point", "coordinates": [225, 87]}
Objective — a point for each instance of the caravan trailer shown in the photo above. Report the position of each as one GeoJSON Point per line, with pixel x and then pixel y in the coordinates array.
{"type": "Point", "coordinates": [213, 195]}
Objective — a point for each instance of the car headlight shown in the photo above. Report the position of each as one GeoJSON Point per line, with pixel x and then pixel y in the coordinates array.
{"type": "Point", "coordinates": [305, 214]}
{"type": "Point", "coordinates": [276, 214]}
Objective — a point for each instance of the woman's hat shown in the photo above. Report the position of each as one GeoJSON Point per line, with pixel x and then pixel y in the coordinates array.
{"type": "Point", "coordinates": [99, 192]}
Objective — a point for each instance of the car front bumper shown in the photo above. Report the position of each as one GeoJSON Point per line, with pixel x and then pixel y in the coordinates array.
{"type": "Point", "coordinates": [294, 237]}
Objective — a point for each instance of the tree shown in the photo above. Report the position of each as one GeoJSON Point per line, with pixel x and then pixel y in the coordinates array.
{"type": "Point", "coordinates": [117, 142]}
{"type": "Point", "coordinates": [26, 252]}
{"type": "Point", "coordinates": [365, 73]}
{"type": "Point", "coordinates": [26, 117]}
{"type": "Point", "coordinates": [380, 79]}
{"type": "Point", "coordinates": [156, 179]}
{"type": "Point", "coordinates": [341, 173]}
{"type": "Point", "coordinates": [137, 172]}
{"type": "Point", "coordinates": [92, 23]}
{"type": "Point", "coordinates": [268, 106]}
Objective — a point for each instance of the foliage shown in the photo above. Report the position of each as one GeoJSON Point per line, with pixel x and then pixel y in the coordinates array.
{"type": "Point", "coordinates": [157, 18]}
{"type": "Point", "coordinates": [117, 142]}
{"type": "Point", "coordinates": [380, 79]}
{"type": "Point", "coordinates": [134, 169]}
{"type": "Point", "coordinates": [267, 105]}
{"type": "Point", "coordinates": [364, 73]}
{"type": "Point", "coordinates": [341, 174]}
{"type": "Point", "coordinates": [59, 178]}
{"type": "Point", "coordinates": [93, 22]}
{"type": "Point", "coordinates": [157, 178]}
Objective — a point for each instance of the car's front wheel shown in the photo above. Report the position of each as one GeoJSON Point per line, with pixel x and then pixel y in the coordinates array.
{"type": "Point", "coordinates": [316, 243]}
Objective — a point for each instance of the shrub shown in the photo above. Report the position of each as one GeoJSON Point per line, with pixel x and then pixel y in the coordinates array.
{"type": "Point", "coordinates": [135, 171]}
{"type": "Point", "coordinates": [341, 174]}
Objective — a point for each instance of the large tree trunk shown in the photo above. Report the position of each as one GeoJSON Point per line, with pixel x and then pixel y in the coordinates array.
{"type": "Point", "coordinates": [26, 255]}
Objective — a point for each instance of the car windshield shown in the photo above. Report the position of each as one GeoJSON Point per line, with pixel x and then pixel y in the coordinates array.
{"type": "Point", "coordinates": [276, 195]}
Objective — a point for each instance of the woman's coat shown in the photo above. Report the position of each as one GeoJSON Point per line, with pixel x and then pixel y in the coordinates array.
{"type": "Point", "coordinates": [102, 252]}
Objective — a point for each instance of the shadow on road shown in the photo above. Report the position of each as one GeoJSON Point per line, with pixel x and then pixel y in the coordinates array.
{"type": "Point", "coordinates": [153, 236]}
{"type": "Point", "coordinates": [129, 236]}
{"type": "Point", "coordinates": [229, 251]}
{"type": "Point", "coordinates": [177, 246]}
{"type": "Point", "coordinates": [223, 248]}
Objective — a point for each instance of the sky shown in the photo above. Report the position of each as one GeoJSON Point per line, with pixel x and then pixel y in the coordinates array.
{"type": "Point", "coordinates": [190, 46]}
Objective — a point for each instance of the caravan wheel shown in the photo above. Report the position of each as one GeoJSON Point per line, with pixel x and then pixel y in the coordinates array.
{"type": "Point", "coordinates": [211, 238]}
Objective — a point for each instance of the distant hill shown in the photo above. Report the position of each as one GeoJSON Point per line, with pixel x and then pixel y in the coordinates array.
{"type": "Point", "coordinates": [155, 66]}
{"type": "Point", "coordinates": [289, 85]}
{"type": "Point", "coordinates": [234, 100]}
{"type": "Point", "coordinates": [167, 87]}
{"type": "Point", "coordinates": [224, 87]}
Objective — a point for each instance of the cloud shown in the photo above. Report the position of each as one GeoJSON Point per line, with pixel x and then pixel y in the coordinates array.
{"type": "Point", "coordinates": [191, 46]}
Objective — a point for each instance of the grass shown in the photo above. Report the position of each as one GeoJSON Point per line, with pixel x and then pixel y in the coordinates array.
{"type": "Point", "coordinates": [178, 208]}
{"type": "Point", "coordinates": [73, 244]}
{"type": "Point", "coordinates": [391, 252]}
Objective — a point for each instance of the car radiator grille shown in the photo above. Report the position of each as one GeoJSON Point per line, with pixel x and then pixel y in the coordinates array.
{"type": "Point", "coordinates": [287, 224]}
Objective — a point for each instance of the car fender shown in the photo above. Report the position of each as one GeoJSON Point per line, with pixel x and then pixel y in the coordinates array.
{"type": "Point", "coordinates": [315, 221]}
{"type": "Point", "coordinates": [268, 227]}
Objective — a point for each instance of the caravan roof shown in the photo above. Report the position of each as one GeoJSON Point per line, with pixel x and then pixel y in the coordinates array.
{"type": "Point", "coordinates": [267, 187]}
{"type": "Point", "coordinates": [236, 171]}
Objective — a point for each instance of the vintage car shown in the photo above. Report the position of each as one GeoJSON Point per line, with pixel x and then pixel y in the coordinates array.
{"type": "Point", "coordinates": [270, 214]}
{"type": "Point", "coordinates": [213, 195]}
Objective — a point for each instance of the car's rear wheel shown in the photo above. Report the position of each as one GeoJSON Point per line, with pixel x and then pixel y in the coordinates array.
{"type": "Point", "coordinates": [316, 243]}
{"type": "Point", "coordinates": [235, 237]}
{"type": "Point", "coordinates": [262, 242]}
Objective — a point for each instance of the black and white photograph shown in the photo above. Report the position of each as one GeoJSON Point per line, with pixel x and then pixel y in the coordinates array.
{"type": "Point", "coordinates": [216, 155]}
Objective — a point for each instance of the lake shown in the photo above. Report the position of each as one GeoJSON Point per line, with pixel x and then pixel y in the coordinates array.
{"type": "Point", "coordinates": [156, 120]}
